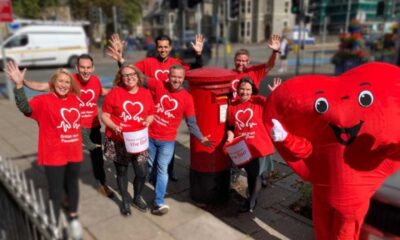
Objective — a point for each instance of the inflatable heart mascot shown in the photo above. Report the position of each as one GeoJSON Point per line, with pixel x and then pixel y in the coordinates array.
{"type": "Point", "coordinates": [342, 134]}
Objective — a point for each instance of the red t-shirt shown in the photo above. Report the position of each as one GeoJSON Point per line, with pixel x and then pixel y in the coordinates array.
{"type": "Point", "coordinates": [60, 139]}
{"type": "Point", "coordinates": [90, 93]}
{"type": "Point", "coordinates": [247, 119]}
{"type": "Point", "coordinates": [255, 72]}
{"type": "Point", "coordinates": [127, 110]}
{"type": "Point", "coordinates": [170, 108]}
{"type": "Point", "coordinates": [153, 67]}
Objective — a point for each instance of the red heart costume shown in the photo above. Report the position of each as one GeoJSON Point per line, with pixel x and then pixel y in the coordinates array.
{"type": "Point", "coordinates": [343, 137]}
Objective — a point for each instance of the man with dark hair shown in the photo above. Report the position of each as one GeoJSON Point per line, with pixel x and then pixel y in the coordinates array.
{"type": "Point", "coordinates": [91, 90]}
{"type": "Point", "coordinates": [158, 66]}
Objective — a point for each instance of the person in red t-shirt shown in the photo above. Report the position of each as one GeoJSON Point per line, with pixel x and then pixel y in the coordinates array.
{"type": "Point", "coordinates": [127, 107]}
{"type": "Point", "coordinates": [256, 72]}
{"type": "Point", "coordinates": [158, 67]}
{"type": "Point", "coordinates": [60, 141]}
{"type": "Point", "coordinates": [245, 119]}
{"type": "Point", "coordinates": [91, 90]}
{"type": "Point", "coordinates": [173, 103]}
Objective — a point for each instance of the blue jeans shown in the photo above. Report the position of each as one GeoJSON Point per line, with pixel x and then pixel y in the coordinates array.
{"type": "Point", "coordinates": [160, 153]}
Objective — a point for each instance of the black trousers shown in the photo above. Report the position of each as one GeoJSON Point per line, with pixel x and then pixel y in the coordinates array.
{"type": "Point", "coordinates": [140, 169]}
{"type": "Point", "coordinates": [254, 181]}
{"type": "Point", "coordinates": [62, 179]}
{"type": "Point", "coordinates": [96, 156]}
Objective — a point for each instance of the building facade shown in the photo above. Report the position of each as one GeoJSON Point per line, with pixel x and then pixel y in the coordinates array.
{"type": "Point", "coordinates": [337, 11]}
{"type": "Point", "coordinates": [257, 20]}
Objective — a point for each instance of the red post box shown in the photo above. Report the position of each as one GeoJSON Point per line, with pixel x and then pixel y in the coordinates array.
{"type": "Point", "coordinates": [210, 167]}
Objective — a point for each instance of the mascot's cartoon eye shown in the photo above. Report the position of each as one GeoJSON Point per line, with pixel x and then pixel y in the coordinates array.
{"type": "Point", "coordinates": [321, 105]}
{"type": "Point", "coordinates": [365, 98]}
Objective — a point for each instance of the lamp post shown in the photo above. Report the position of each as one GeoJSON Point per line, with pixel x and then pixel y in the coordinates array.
{"type": "Point", "coordinates": [346, 26]}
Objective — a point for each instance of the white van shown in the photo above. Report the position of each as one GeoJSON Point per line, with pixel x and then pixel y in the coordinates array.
{"type": "Point", "coordinates": [44, 45]}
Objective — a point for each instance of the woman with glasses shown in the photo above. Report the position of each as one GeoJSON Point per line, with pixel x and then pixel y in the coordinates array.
{"type": "Point", "coordinates": [245, 119]}
{"type": "Point", "coordinates": [127, 107]}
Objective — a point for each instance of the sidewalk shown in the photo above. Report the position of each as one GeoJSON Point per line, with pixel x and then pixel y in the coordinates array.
{"type": "Point", "coordinates": [101, 218]}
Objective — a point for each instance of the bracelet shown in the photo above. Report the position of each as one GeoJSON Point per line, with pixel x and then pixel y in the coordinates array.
{"type": "Point", "coordinates": [277, 51]}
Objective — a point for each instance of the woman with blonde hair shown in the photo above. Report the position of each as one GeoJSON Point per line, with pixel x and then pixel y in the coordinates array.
{"type": "Point", "coordinates": [60, 141]}
{"type": "Point", "coordinates": [127, 107]}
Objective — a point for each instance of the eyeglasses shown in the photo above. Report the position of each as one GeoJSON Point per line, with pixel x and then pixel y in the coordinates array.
{"type": "Point", "coordinates": [129, 75]}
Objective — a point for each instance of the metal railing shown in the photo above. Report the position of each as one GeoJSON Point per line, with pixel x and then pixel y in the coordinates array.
{"type": "Point", "coordinates": [24, 212]}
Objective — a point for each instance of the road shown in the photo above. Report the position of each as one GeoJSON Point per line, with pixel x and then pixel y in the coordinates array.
{"type": "Point", "coordinates": [106, 68]}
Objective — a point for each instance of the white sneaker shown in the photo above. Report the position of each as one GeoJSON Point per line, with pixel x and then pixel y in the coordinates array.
{"type": "Point", "coordinates": [75, 230]}
{"type": "Point", "coordinates": [160, 210]}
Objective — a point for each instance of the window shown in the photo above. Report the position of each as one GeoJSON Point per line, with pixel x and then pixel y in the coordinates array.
{"type": "Point", "coordinates": [243, 6]}
{"type": "Point", "coordinates": [18, 41]}
{"type": "Point", "coordinates": [286, 7]}
{"type": "Point", "coordinates": [248, 28]}
{"type": "Point", "coordinates": [248, 6]}
{"type": "Point", "coordinates": [242, 29]}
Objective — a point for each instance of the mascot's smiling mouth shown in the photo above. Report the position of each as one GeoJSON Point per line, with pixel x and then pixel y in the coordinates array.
{"type": "Point", "coordinates": [346, 136]}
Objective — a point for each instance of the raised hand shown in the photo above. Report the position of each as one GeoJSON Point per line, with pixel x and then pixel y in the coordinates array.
{"type": "Point", "coordinates": [275, 42]}
{"type": "Point", "coordinates": [199, 43]}
{"type": "Point", "coordinates": [275, 84]}
{"type": "Point", "coordinates": [116, 48]}
{"type": "Point", "coordinates": [14, 74]}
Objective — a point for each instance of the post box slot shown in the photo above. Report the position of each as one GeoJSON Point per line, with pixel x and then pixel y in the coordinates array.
{"type": "Point", "coordinates": [220, 96]}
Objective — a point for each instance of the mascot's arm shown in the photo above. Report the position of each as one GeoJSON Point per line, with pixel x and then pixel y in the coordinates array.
{"type": "Point", "coordinates": [292, 148]}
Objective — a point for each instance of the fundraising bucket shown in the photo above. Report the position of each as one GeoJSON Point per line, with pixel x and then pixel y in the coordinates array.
{"type": "Point", "coordinates": [136, 141]}
{"type": "Point", "coordinates": [238, 151]}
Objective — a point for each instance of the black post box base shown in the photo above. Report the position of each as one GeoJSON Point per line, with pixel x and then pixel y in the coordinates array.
{"type": "Point", "coordinates": [210, 187]}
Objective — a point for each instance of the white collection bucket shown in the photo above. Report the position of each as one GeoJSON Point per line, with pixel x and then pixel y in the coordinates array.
{"type": "Point", "coordinates": [137, 141]}
{"type": "Point", "coordinates": [238, 151]}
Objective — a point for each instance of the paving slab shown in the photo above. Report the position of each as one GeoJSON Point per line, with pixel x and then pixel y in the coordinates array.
{"type": "Point", "coordinates": [206, 227]}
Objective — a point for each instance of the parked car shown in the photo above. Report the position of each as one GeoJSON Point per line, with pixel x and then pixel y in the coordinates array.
{"type": "Point", "coordinates": [383, 217]}
{"type": "Point", "coordinates": [186, 52]}
{"type": "Point", "coordinates": [44, 45]}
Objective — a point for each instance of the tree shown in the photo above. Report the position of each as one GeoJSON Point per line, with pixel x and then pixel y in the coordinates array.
{"type": "Point", "coordinates": [32, 9]}
{"type": "Point", "coordinates": [26, 8]}
{"type": "Point", "coordinates": [132, 9]}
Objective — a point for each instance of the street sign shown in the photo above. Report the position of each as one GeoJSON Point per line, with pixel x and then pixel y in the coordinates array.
{"type": "Point", "coordinates": [6, 13]}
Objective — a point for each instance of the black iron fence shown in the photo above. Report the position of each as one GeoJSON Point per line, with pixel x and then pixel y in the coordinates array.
{"type": "Point", "coordinates": [24, 213]}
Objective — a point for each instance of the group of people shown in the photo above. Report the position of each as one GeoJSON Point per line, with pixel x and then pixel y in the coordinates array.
{"type": "Point", "coordinates": [146, 94]}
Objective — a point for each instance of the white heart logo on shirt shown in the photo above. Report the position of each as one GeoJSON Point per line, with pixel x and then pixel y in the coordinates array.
{"type": "Point", "coordinates": [129, 107]}
{"type": "Point", "coordinates": [161, 75]}
{"type": "Point", "coordinates": [86, 98]}
{"type": "Point", "coordinates": [167, 105]}
{"type": "Point", "coordinates": [243, 117]}
{"type": "Point", "coordinates": [70, 118]}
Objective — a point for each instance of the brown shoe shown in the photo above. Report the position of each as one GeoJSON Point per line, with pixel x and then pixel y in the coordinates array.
{"type": "Point", "coordinates": [105, 191]}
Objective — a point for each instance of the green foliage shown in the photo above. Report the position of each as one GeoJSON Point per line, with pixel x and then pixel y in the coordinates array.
{"type": "Point", "coordinates": [80, 8]}
{"type": "Point", "coordinates": [131, 8]}
{"type": "Point", "coordinates": [26, 8]}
